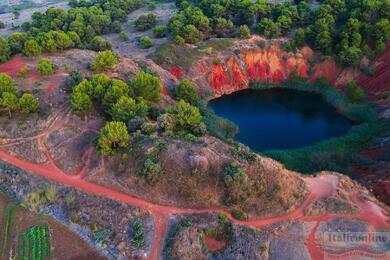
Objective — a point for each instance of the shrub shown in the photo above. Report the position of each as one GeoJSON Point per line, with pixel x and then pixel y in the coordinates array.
{"type": "Point", "coordinates": [148, 128]}
{"type": "Point", "coordinates": [74, 78]}
{"type": "Point", "coordinates": [104, 61]}
{"type": "Point", "coordinates": [126, 108]}
{"type": "Point", "coordinates": [145, 42]}
{"type": "Point", "coordinates": [238, 184]}
{"type": "Point", "coordinates": [45, 67]}
{"type": "Point", "coordinates": [239, 214]}
{"type": "Point", "coordinates": [23, 71]}
{"type": "Point", "coordinates": [187, 117]}
{"type": "Point", "coordinates": [113, 136]}
{"type": "Point", "coordinates": [186, 91]}
{"type": "Point", "coordinates": [28, 103]}
{"type": "Point", "coordinates": [138, 234]}
{"type": "Point", "coordinates": [31, 48]}
{"type": "Point", "coordinates": [354, 92]}
{"type": "Point", "coordinates": [7, 84]}
{"type": "Point", "coordinates": [145, 22]}
{"type": "Point", "coordinates": [135, 124]}
{"type": "Point", "coordinates": [151, 171]}
{"type": "Point", "coordinates": [166, 122]}
{"type": "Point", "coordinates": [123, 37]}
{"type": "Point", "coordinates": [9, 102]}
{"type": "Point", "coordinates": [146, 86]}
{"type": "Point", "coordinates": [99, 44]}
{"type": "Point", "coordinates": [244, 32]}
{"type": "Point", "coordinates": [5, 50]}
{"type": "Point", "coordinates": [81, 102]}
{"type": "Point", "coordinates": [2, 25]}
{"type": "Point", "coordinates": [179, 40]}
{"type": "Point", "coordinates": [159, 31]}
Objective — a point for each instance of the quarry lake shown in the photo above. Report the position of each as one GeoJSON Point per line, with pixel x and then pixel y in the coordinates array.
{"type": "Point", "coordinates": [279, 118]}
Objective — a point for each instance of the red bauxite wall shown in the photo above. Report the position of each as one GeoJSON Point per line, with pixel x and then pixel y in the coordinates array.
{"type": "Point", "coordinates": [270, 64]}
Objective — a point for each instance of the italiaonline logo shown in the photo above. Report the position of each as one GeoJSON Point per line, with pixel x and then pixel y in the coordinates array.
{"type": "Point", "coordinates": [356, 245]}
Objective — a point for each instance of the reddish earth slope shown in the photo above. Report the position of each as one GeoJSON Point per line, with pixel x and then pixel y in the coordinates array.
{"type": "Point", "coordinates": [379, 82]}
{"type": "Point", "coordinates": [271, 63]}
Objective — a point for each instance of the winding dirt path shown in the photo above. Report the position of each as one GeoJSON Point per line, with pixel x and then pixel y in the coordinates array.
{"type": "Point", "coordinates": [320, 187]}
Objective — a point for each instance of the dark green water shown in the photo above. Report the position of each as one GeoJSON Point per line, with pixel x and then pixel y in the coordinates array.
{"type": "Point", "coordinates": [280, 118]}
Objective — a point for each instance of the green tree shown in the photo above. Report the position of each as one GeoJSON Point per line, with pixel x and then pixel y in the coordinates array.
{"type": "Point", "coordinates": [28, 103]}
{"type": "Point", "coordinates": [187, 117]}
{"type": "Point", "coordinates": [117, 89]}
{"type": "Point", "coordinates": [354, 92]}
{"type": "Point", "coordinates": [113, 136]}
{"type": "Point", "coordinates": [31, 48]}
{"type": "Point", "coordinates": [145, 42]}
{"type": "Point", "coordinates": [191, 34]}
{"type": "Point", "coordinates": [146, 86]}
{"type": "Point", "coordinates": [9, 101]}
{"type": "Point", "coordinates": [223, 27]}
{"type": "Point", "coordinates": [16, 41]}
{"type": "Point", "coordinates": [99, 44]}
{"type": "Point", "coordinates": [7, 84]}
{"type": "Point", "coordinates": [159, 31]}
{"type": "Point", "coordinates": [104, 61]}
{"type": "Point", "coordinates": [145, 22]}
{"type": "Point", "coordinates": [127, 108]}
{"type": "Point", "coordinates": [5, 50]}
{"type": "Point", "coordinates": [244, 32]}
{"type": "Point", "coordinates": [100, 83]}
{"type": "Point", "coordinates": [81, 102]}
{"type": "Point", "coordinates": [186, 91]}
{"type": "Point", "coordinates": [45, 67]}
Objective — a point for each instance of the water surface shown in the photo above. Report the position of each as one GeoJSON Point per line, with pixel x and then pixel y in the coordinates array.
{"type": "Point", "coordinates": [280, 118]}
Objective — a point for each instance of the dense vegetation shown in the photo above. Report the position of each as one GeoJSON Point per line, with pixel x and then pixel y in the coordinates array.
{"type": "Point", "coordinates": [79, 27]}
{"type": "Point", "coordinates": [347, 29]}
{"type": "Point", "coordinates": [9, 97]}
{"type": "Point", "coordinates": [35, 243]}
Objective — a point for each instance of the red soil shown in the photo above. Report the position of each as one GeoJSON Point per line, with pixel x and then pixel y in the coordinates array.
{"type": "Point", "coordinates": [380, 81]}
{"type": "Point", "coordinates": [176, 71]}
{"type": "Point", "coordinates": [213, 244]}
{"type": "Point", "coordinates": [13, 66]}
{"type": "Point", "coordinates": [382, 191]}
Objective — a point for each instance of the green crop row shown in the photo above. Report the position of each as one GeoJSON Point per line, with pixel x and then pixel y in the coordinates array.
{"type": "Point", "coordinates": [34, 244]}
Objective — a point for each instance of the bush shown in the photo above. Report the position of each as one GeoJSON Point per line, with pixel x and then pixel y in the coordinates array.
{"type": "Point", "coordinates": [354, 92]}
{"type": "Point", "coordinates": [135, 124]}
{"type": "Point", "coordinates": [31, 48]}
{"type": "Point", "coordinates": [104, 61]}
{"type": "Point", "coordinates": [7, 84]}
{"type": "Point", "coordinates": [186, 91]}
{"type": "Point", "coordinates": [146, 86]}
{"type": "Point", "coordinates": [145, 22]}
{"type": "Point", "coordinates": [179, 40]}
{"type": "Point", "coordinates": [159, 31]}
{"type": "Point", "coordinates": [148, 128]}
{"type": "Point", "coordinates": [127, 108]}
{"type": "Point", "coordinates": [74, 78]}
{"type": "Point", "coordinates": [123, 37]}
{"type": "Point", "coordinates": [145, 42]}
{"type": "Point", "coordinates": [28, 103]}
{"type": "Point", "coordinates": [2, 25]}
{"type": "Point", "coordinates": [151, 171]}
{"type": "Point", "coordinates": [187, 117]}
{"type": "Point", "coordinates": [9, 102]}
{"type": "Point", "coordinates": [45, 67]}
{"type": "Point", "coordinates": [23, 72]}
{"type": "Point", "coordinates": [238, 184]}
{"type": "Point", "coordinates": [244, 32]}
{"type": "Point", "coordinates": [5, 50]}
{"type": "Point", "coordinates": [113, 136]}
{"type": "Point", "coordinates": [99, 44]}
{"type": "Point", "coordinates": [166, 122]}
{"type": "Point", "coordinates": [81, 102]}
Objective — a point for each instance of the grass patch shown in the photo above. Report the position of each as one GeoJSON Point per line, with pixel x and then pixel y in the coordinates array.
{"type": "Point", "coordinates": [337, 153]}
{"type": "Point", "coordinates": [8, 217]}
{"type": "Point", "coordinates": [218, 126]}
{"type": "Point", "coordinates": [184, 55]}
